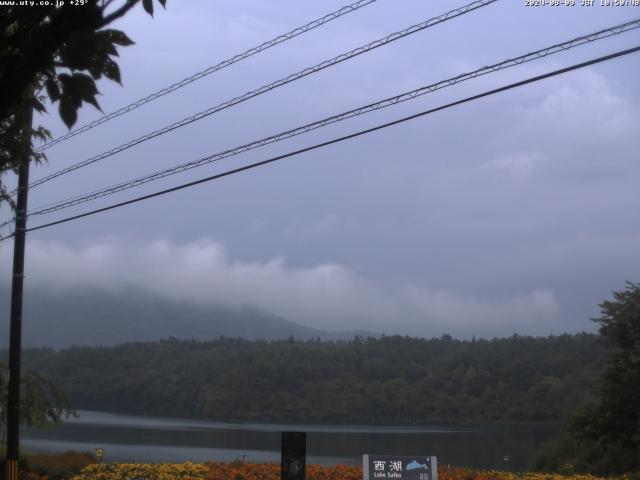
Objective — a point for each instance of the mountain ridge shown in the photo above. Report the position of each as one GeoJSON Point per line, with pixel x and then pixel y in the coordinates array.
{"type": "Point", "coordinates": [93, 316]}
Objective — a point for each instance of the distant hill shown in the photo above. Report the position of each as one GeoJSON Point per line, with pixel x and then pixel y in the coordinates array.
{"type": "Point", "coordinates": [97, 317]}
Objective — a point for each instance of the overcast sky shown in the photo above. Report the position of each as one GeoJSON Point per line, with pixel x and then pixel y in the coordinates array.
{"type": "Point", "coordinates": [517, 213]}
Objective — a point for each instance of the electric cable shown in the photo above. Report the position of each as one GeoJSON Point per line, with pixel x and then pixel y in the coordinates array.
{"type": "Point", "coordinates": [538, 54]}
{"type": "Point", "coordinates": [212, 69]}
{"type": "Point", "coordinates": [341, 139]}
{"type": "Point", "coordinates": [271, 86]}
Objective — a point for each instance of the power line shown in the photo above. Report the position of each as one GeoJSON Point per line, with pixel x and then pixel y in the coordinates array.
{"type": "Point", "coordinates": [212, 69]}
{"type": "Point", "coordinates": [271, 86]}
{"type": "Point", "coordinates": [591, 37]}
{"type": "Point", "coordinates": [343, 138]}
{"type": "Point", "coordinates": [7, 225]}
{"type": "Point", "coordinates": [615, 30]}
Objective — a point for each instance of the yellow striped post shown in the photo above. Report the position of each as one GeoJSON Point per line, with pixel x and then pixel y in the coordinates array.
{"type": "Point", "coordinates": [12, 470]}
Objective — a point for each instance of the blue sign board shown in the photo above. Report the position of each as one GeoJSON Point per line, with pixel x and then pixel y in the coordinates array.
{"type": "Point", "coordinates": [397, 467]}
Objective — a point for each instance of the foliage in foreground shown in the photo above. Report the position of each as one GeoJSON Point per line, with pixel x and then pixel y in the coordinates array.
{"type": "Point", "coordinates": [271, 471]}
{"type": "Point", "coordinates": [61, 48]}
{"type": "Point", "coordinates": [605, 436]}
{"type": "Point", "coordinates": [41, 401]}
{"type": "Point", "coordinates": [58, 466]}
{"type": "Point", "coordinates": [74, 465]}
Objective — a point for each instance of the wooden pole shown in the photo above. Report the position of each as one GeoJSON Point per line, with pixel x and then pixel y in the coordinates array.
{"type": "Point", "coordinates": [15, 329]}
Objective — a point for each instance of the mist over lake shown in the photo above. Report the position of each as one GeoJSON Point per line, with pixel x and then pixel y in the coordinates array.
{"type": "Point", "coordinates": [154, 439]}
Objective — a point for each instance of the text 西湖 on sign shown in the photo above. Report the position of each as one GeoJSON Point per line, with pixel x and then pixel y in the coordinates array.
{"type": "Point", "coordinates": [397, 467]}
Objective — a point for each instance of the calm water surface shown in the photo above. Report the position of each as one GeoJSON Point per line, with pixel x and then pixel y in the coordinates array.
{"type": "Point", "coordinates": [138, 438]}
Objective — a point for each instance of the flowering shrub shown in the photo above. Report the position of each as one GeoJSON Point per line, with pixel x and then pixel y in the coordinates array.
{"type": "Point", "coordinates": [57, 466]}
{"type": "Point", "coordinates": [271, 471]}
{"type": "Point", "coordinates": [467, 474]}
{"type": "Point", "coordinates": [146, 471]}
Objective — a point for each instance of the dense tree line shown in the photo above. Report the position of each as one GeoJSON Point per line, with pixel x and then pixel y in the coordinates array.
{"type": "Point", "coordinates": [604, 437]}
{"type": "Point", "coordinates": [398, 380]}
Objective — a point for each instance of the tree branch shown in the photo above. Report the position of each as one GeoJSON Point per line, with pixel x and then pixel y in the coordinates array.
{"type": "Point", "coordinates": [118, 13]}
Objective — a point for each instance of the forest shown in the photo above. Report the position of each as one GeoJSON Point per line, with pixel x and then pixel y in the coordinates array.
{"type": "Point", "coordinates": [387, 380]}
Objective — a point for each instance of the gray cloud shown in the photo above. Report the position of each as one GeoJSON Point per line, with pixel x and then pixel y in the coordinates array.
{"type": "Point", "coordinates": [511, 214]}
{"type": "Point", "coordinates": [327, 296]}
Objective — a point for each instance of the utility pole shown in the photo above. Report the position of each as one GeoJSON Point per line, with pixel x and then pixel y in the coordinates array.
{"type": "Point", "coordinates": [15, 329]}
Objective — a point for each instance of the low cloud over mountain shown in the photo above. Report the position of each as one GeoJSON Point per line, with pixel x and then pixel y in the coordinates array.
{"type": "Point", "coordinates": [201, 277]}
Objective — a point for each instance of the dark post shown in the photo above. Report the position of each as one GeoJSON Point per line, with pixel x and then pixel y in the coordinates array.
{"type": "Point", "coordinates": [15, 329]}
{"type": "Point", "coordinates": [293, 459]}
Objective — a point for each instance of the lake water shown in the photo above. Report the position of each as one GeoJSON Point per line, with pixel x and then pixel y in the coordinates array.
{"type": "Point", "coordinates": [137, 438]}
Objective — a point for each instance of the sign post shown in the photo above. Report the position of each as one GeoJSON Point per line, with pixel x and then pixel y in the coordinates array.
{"type": "Point", "coordinates": [397, 467]}
{"type": "Point", "coordinates": [294, 455]}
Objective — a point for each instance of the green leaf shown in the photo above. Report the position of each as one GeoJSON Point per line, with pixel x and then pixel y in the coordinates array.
{"type": "Point", "coordinates": [111, 70]}
{"type": "Point", "coordinates": [92, 100]}
{"type": "Point", "coordinates": [86, 88]}
{"type": "Point", "coordinates": [95, 69]}
{"type": "Point", "coordinates": [53, 90]}
{"type": "Point", "coordinates": [84, 84]}
{"type": "Point", "coordinates": [38, 106]}
{"type": "Point", "coordinates": [119, 38]}
{"type": "Point", "coordinates": [70, 92]}
{"type": "Point", "coordinates": [148, 6]}
{"type": "Point", "coordinates": [109, 48]}
{"type": "Point", "coordinates": [104, 46]}
{"type": "Point", "coordinates": [163, 3]}
{"type": "Point", "coordinates": [68, 113]}
{"type": "Point", "coordinates": [41, 134]}
{"type": "Point", "coordinates": [79, 50]}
